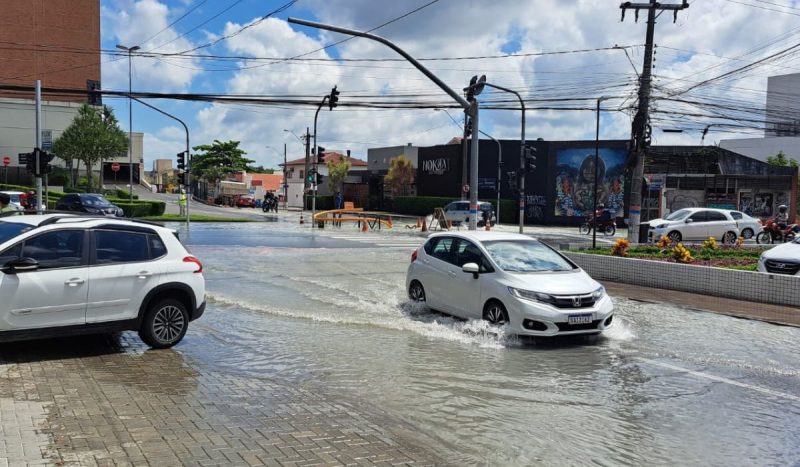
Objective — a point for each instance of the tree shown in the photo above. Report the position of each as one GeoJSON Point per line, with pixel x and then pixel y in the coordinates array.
{"type": "Point", "coordinates": [337, 172]}
{"type": "Point", "coordinates": [217, 159]}
{"type": "Point", "coordinates": [400, 176]}
{"type": "Point", "coordinates": [260, 170]}
{"type": "Point", "coordinates": [93, 135]}
{"type": "Point", "coordinates": [782, 160]}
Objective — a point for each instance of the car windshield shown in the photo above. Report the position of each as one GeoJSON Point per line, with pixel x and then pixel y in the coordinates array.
{"type": "Point", "coordinates": [9, 230]}
{"type": "Point", "coordinates": [94, 200]}
{"type": "Point", "coordinates": [678, 215]}
{"type": "Point", "coordinates": [526, 256]}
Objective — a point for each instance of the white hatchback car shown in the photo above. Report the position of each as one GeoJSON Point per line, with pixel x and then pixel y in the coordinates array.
{"type": "Point", "coordinates": [695, 224]}
{"type": "Point", "coordinates": [507, 279]}
{"type": "Point", "coordinates": [66, 274]}
{"type": "Point", "coordinates": [782, 259]}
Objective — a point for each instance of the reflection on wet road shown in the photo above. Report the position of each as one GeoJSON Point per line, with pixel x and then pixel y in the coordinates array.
{"type": "Point", "coordinates": [664, 385]}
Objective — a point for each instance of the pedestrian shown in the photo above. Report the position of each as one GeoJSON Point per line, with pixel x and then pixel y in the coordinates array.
{"type": "Point", "coordinates": [339, 200]}
{"type": "Point", "coordinates": [5, 205]}
{"type": "Point", "coordinates": [182, 202]}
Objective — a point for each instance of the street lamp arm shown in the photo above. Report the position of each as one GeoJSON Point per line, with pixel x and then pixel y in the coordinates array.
{"type": "Point", "coordinates": [463, 102]}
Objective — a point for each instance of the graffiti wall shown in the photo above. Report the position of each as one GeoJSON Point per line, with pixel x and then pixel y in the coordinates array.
{"type": "Point", "coordinates": [680, 199]}
{"type": "Point", "coordinates": [575, 170]}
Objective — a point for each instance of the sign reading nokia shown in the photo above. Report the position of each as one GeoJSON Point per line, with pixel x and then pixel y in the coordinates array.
{"type": "Point", "coordinates": [436, 166]}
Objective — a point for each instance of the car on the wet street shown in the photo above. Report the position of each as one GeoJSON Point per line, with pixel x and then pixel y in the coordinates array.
{"type": "Point", "coordinates": [783, 259]}
{"type": "Point", "coordinates": [91, 203]}
{"type": "Point", "coordinates": [63, 274]}
{"type": "Point", "coordinates": [458, 212]}
{"type": "Point", "coordinates": [695, 224]}
{"type": "Point", "coordinates": [246, 201]}
{"type": "Point", "coordinates": [507, 279]}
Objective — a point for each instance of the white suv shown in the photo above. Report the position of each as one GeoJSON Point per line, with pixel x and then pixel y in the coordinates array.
{"type": "Point", "coordinates": [66, 274]}
{"type": "Point", "coordinates": [458, 212]}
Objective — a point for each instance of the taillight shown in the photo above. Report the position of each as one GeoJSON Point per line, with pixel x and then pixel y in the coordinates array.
{"type": "Point", "coordinates": [192, 259]}
{"type": "Point", "coordinates": [414, 256]}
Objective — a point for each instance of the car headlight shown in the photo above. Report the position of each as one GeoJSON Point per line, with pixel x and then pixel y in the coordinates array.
{"type": "Point", "coordinates": [599, 293]}
{"type": "Point", "coordinates": [662, 226]}
{"type": "Point", "coordinates": [531, 295]}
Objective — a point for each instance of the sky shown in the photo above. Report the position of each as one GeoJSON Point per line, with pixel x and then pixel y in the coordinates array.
{"type": "Point", "coordinates": [561, 55]}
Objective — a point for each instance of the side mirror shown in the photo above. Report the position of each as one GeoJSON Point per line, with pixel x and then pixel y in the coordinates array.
{"type": "Point", "coordinates": [471, 268]}
{"type": "Point", "coordinates": [689, 220]}
{"type": "Point", "coordinates": [20, 265]}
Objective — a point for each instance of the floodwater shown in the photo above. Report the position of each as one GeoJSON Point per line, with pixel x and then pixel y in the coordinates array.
{"type": "Point", "coordinates": [664, 386]}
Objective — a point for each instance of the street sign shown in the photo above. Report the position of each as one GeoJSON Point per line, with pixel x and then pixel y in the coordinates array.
{"type": "Point", "coordinates": [6, 160]}
{"type": "Point", "coordinates": [115, 167]}
{"type": "Point", "coordinates": [466, 188]}
{"type": "Point", "coordinates": [23, 158]}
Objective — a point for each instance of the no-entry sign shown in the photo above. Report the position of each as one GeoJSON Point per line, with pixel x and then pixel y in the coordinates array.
{"type": "Point", "coordinates": [6, 160]}
{"type": "Point", "coordinates": [115, 167]}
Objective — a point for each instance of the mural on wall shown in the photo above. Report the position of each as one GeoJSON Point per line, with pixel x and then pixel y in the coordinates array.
{"type": "Point", "coordinates": [762, 205]}
{"type": "Point", "coordinates": [534, 207]}
{"type": "Point", "coordinates": [575, 178]}
{"type": "Point", "coordinates": [684, 199]}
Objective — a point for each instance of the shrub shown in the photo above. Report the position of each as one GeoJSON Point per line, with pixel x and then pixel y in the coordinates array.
{"type": "Point", "coordinates": [621, 247]}
{"type": "Point", "coordinates": [664, 242]}
{"type": "Point", "coordinates": [710, 244]}
{"type": "Point", "coordinates": [739, 242]}
{"type": "Point", "coordinates": [682, 254]}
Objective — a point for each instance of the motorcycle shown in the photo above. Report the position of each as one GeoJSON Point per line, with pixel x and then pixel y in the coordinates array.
{"type": "Point", "coordinates": [270, 204]}
{"type": "Point", "coordinates": [603, 219]}
{"type": "Point", "coordinates": [773, 233]}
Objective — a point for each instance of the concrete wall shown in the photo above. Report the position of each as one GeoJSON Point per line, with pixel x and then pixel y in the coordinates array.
{"type": "Point", "coordinates": [379, 159]}
{"type": "Point", "coordinates": [18, 124]}
{"type": "Point", "coordinates": [783, 110]}
{"type": "Point", "coordinates": [716, 282]}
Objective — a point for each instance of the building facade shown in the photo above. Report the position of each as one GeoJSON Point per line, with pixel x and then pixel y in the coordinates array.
{"type": "Point", "coordinates": [354, 187]}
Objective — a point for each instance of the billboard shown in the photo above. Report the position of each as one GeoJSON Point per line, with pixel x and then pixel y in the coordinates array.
{"type": "Point", "coordinates": [575, 170]}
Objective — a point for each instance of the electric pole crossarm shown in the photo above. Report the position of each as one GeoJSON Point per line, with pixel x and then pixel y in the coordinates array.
{"type": "Point", "coordinates": [351, 32]}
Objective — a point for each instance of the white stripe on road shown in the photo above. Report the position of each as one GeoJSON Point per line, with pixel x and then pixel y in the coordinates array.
{"type": "Point", "coordinates": [725, 380]}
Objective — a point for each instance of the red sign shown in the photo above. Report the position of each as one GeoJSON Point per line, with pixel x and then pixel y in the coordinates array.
{"type": "Point", "coordinates": [115, 167]}
{"type": "Point", "coordinates": [6, 160]}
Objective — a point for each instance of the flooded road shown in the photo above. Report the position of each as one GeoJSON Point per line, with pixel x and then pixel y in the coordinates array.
{"type": "Point", "coordinates": [329, 312]}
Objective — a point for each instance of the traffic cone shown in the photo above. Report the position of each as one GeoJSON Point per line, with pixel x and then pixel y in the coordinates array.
{"type": "Point", "coordinates": [424, 226]}
{"type": "Point", "coordinates": [364, 226]}
{"type": "Point", "coordinates": [389, 223]}
{"type": "Point", "coordinates": [301, 218]}
{"type": "Point", "coordinates": [419, 224]}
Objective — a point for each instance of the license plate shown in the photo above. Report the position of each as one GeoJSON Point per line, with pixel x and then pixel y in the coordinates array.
{"type": "Point", "coordinates": [580, 319]}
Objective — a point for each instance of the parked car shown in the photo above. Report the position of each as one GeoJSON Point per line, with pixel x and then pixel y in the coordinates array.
{"type": "Point", "coordinates": [782, 259]}
{"type": "Point", "coordinates": [695, 224]}
{"type": "Point", "coordinates": [507, 279]}
{"type": "Point", "coordinates": [246, 201]}
{"type": "Point", "coordinates": [458, 212]}
{"type": "Point", "coordinates": [69, 274]}
{"type": "Point", "coordinates": [748, 226]}
{"type": "Point", "coordinates": [91, 203]}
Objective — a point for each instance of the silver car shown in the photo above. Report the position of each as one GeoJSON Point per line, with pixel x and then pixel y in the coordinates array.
{"type": "Point", "coordinates": [458, 212]}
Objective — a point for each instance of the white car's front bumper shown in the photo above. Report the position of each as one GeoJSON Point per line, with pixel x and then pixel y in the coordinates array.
{"type": "Point", "coordinates": [530, 318]}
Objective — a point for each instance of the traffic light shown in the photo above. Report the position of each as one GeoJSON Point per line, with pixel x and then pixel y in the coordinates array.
{"type": "Point", "coordinates": [475, 87]}
{"type": "Point", "coordinates": [93, 86]}
{"type": "Point", "coordinates": [319, 178]}
{"type": "Point", "coordinates": [512, 181]}
{"type": "Point", "coordinates": [310, 177]}
{"type": "Point", "coordinates": [43, 159]}
{"type": "Point", "coordinates": [320, 155]}
{"type": "Point", "coordinates": [333, 99]}
{"type": "Point", "coordinates": [530, 158]}
{"type": "Point", "coordinates": [44, 164]}
{"type": "Point", "coordinates": [182, 160]}
{"type": "Point", "coordinates": [181, 178]}
{"type": "Point", "coordinates": [30, 163]}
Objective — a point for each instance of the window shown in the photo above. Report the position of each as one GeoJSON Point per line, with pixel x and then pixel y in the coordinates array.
{"type": "Point", "coordinates": [714, 216]}
{"type": "Point", "coordinates": [678, 215]}
{"type": "Point", "coordinates": [301, 174]}
{"type": "Point", "coordinates": [443, 249]}
{"type": "Point", "coordinates": [736, 215]}
{"type": "Point", "coordinates": [120, 247]}
{"type": "Point", "coordinates": [699, 216]}
{"type": "Point", "coordinates": [56, 249]}
{"type": "Point", "coordinates": [526, 256]}
{"type": "Point", "coordinates": [9, 230]}
{"type": "Point", "coordinates": [157, 248]}
{"type": "Point", "coordinates": [10, 254]}
{"type": "Point", "coordinates": [468, 252]}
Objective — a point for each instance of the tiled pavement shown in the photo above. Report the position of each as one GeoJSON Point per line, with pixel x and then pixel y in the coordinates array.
{"type": "Point", "coordinates": [106, 401]}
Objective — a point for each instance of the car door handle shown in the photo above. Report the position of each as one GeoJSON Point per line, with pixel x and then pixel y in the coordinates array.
{"type": "Point", "coordinates": [144, 274]}
{"type": "Point", "coordinates": [74, 282]}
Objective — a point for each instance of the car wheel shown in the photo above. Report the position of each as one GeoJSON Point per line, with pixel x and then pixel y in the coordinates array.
{"type": "Point", "coordinates": [764, 238]}
{"type": "Point", "coordinates": [729, 238]}
{"type": "Point", "coordinates": [495, 313]}
{"type": "Point", "coordinates": [585, 228]}
{"type": "Point", "coordinates": [675, 236]}
{"type": "Point", "coordinates": [416, 292]}
{"type": "Point", "coordinates": [164, 324]}
{"type": "Point", "coordinates": [748, 233]}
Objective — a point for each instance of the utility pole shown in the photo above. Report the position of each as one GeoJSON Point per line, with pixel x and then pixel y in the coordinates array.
{"type": "Point", "coordinates": [306, 185]}
{"type": "Point", "coordinates": [640, 131]}
{"type": "Point", "coordinates": [38, 146]}
{"type": "Point", "coordinates": [285, 182]}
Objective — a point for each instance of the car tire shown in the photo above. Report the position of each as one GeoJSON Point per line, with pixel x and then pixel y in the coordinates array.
{"type": "Point", "coordinates": [495, 313]}
{"type": "Point", "coordinates": [165, 323]}
{"type": "Point", "coordinates": [748, 233]}
{"type": "Point", "coordinates": [729, 238]}
{"type": "Point", "coordinates": [675, 236]}
{"type": "Point", "coordinates": [416, 292]}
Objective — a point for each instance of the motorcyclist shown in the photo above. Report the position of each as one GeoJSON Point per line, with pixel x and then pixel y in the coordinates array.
{"type": "Point", "coordinates": [602, 214]}
{"type": "Point", "coordinates": [270, 202]}
{"type": "Point", "coordinates": [782, 219]}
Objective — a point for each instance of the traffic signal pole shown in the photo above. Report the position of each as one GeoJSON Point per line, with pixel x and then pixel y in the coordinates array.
{"type": "Point", "coordinates": [473, 223]}
{"type": "Point", "coordinates": [316, 159]}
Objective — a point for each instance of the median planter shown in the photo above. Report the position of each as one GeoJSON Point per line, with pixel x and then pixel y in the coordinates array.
{"type": "Point", "coordinates": [717, 282]}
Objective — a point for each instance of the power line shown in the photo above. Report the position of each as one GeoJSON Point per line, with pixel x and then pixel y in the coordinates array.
{"type": "Point", "coordinates": [199, 25]}
{"type": "Point", "coordinates": [188, 12]}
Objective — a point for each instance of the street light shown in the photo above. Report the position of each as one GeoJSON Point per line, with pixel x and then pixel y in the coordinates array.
{"type": "Point", "coordinates": [295, 135]}
{"type": "Point", "coordinates": [596, 166]}
{"type": "Point", "coordinates": [130, 51]}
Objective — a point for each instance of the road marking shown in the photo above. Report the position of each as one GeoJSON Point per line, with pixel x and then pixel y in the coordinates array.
{"type": "Point", "coordinates": [725, 380]}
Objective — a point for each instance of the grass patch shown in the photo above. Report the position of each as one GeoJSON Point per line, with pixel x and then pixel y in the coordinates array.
{"type": "Point", "coordinates": [195, 218]}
